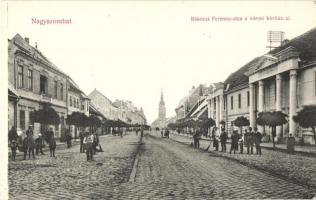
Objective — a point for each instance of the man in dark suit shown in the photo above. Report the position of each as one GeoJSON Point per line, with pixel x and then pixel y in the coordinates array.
{"type": "Point", "coordinates": [257, 140]}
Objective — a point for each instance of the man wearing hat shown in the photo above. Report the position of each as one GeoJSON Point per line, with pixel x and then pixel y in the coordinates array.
{"type": "Point", "coordinates": [39, 144]}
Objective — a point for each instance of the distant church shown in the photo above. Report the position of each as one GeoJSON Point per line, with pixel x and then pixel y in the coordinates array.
{"type": "Point", "coordinates": [161, 121]}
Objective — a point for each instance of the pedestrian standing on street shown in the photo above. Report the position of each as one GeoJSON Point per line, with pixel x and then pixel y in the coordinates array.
{"type": "Point", "coordinates": [196, 141]}
{"type": "Point", "coordinates": [13, 135]}
{"type": "Point", "coordinates": [95, 142]}
{"type": "Point", "coordinates": [167, 133]}
{"type": "Point", "coordinates": [68, 139]}
{"type": "Point", "coordinates": [52, 146]}
{"type": "Point", "coordinates": [223, 139]}
{"type": "Point", "coordinates": [30, 141]}
{"type": "Point", "coordinates": [215, 138]}
{"type": "Point", "coordinates": [257, 140]}
{"type": "Point", "coordinates": [81, 137]}
{"type": "Point", "coordinates": [234, 144]}
{"type": "Point", "coordinates": [208, 147]}
{"type": "Point", "coordinates": [49, 134]}
{"type": "Point", "coordinates": [141, 135]}
{"type": "Point", "coordinates": [25, 147]}
{"type": "Point", "coordinates": [241, 143]}
{"type": "Point", "coordinates": [161, 132]}
{"type": "Point", "coordinates": [249, 136]}
{"type": "Point", "coordinates": [39, 144]}
{"type": "Point", "coordinates": [14, 146]}
{"type": "Point", "coordinates": [88, 142]}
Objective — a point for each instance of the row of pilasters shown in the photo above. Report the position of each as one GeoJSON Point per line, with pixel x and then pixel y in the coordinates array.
{"type": "Point", "coordinates": [278, 103]}
{"type": "Point", "coordinates": [218, 103]}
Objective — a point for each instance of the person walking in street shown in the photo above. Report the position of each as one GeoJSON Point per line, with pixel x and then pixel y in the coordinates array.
{"type": "Point", "coordinates": [249, 138]}
{"type": "Point", "coordinates": [52, 145]}
{"type": "Point", "coordinates": [234, 144]}
{"type": "Point", "coordinates": [161, 132]}
{"type": "Point", "coordinates": [88, 142]}
{"type": "Point", "coordinates": [257, 140]}
{"type": "Point", "coordinates": [39, 144]}
{"type": "Point", "coordinates": [81, 137]}
{"type": "Point", "coordinates": [223, 139]}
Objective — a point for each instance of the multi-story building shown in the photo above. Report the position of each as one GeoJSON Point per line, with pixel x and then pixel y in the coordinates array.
{"type": "Point", "coordinates": [129, 113]}
{"type": "Point", "coordinates": [188, 102]}
{"type": "Point", "coordinates": [77, 102]}
{"type": "Point", "coordinates": [104, 105]}
{"type": "Point", "coordinates": [36, 81]}
{"type": "Point", "coordinates": [281, 80]}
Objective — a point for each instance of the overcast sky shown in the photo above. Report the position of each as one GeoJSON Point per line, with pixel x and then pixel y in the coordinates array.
{"type": "Point", "coordinates": [130, 50]}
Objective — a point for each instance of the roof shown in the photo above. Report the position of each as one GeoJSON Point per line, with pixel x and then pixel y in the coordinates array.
{"type": "Point", "coordinates": [26, 48]}
{"type": "Point", "coordinates": [74, 85]}
{"type": "Point", "coordinates": [12, 91]}
{"type": "Point", "coordinates": [238, 77]}
{"type": "Point", "coordinates": [96, 92]}
{"type": "Point", "coordinates": [305, 44]}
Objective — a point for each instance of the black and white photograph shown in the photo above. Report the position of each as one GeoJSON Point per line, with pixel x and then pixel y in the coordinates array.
{"type": "Point", "coordinates": [157, 100]}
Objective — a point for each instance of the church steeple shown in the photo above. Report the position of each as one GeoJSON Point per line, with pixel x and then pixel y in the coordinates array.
{"type": "Point", "coordinates": [162, 107]}
{"type": "Point", "coordinates": [162, 102]}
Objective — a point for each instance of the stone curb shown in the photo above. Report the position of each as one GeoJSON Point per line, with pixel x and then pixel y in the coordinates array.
{"type": "Point", "coordinates": [303, 153]}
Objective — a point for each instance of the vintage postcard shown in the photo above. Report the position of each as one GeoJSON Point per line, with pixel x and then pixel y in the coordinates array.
{"type": "Point", "coordinates": [158, 100]}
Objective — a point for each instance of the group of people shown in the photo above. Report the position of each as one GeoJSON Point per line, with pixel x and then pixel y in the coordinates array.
{"type": "Point", "coordinates": [250, 139]}
{"type": "Point", "coordinates": [29, 144]}
{"type": "Point", "coordinates": [165, 133]}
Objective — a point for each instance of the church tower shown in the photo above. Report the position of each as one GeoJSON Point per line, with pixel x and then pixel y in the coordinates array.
{"type": "Point", "coordinates": [162, 108]}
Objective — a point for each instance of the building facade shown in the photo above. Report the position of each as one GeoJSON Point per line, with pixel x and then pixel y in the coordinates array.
{"type": "Point", "coordinates": [281, 80]}
{"type": "Point", "coordinates": [77, 102]}
{"type": "Point", "coordinates": [37, 81]}
{"type": "Point", "coordinates": [187, 103]}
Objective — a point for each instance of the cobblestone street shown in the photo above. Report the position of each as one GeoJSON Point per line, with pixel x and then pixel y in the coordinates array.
{"type": "Point", "coordinates": [163, 169]}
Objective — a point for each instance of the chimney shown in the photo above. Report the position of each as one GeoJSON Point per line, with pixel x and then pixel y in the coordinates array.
{"type": "Point", "coordinates": [36, 45]}
{"type": "Point", "coordinates": [27, 40]}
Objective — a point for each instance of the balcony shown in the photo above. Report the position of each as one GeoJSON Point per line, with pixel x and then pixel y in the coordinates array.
{"type": "Point", "coordinates": [46, 98]}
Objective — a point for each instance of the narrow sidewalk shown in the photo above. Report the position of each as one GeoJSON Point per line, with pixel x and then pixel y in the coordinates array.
{"type": "Point", "coordinates": [304, 150]}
